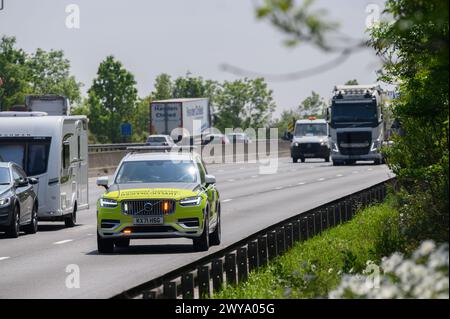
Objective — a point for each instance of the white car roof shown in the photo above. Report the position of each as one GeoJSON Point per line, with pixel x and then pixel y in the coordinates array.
{"type": "Point", "coordinates": [159, 156]}
{"type": "Point", "coordinates": [317, 121]}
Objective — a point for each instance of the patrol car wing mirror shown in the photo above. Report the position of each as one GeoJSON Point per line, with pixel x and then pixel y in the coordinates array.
{"type": "Point", "coordinates": [210, 179]}
{"type": "Point", "coordinates": [103, 181]}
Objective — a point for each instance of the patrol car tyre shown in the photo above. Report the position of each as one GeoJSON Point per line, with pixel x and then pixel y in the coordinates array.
{"type": "Point", "coordinates": [202, 243]}
{"type": "Point", "coordinates": [215, 237]}
{"type": "Point", "coordinates": [377, 162]}
{"type": "Point", "coordinates": [302, 159]}
{"type": "Point", "coordinates": [104, 245]}
{"type": "Point", "coordinates": [71, 220]}
{"type": "Point", "coordinates": [122, 242]}
{"type": "Point", "coordinates": [327, 159]}
{"type": "Point", "coordinates": [294, 160]}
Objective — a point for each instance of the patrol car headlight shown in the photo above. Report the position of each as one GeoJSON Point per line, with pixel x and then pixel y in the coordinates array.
{"type": "Point", "coordinates": [191, 201]}
{"type": "Point", "coordinates": [4, 202]}
{"type": "Point", "coordinates": [108, 203]}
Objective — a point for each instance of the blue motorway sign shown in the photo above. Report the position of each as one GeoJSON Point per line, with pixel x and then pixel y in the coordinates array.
{"type": "Point", "coordinates": [126, 129]}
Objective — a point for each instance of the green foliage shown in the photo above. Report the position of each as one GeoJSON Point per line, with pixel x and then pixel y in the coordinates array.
{"type": "Point", "coordinates": [352, 82]}
{"type": "Point", "coordinates": [313, 268]}
{"type": "Point", "coordinates": [13, 72]}
{"type": "Point", "coordinates": [163, 87]}
{"type": "Point", "coordinates": [112, 100]}
{"type": "Point", "coordinates": [49, 73]}
{"type": "Point", "coordinates": [244, 104]}
{"type": "Point", "coordinates": [313, 105]}
{"type": "Point", "coordinates": [415, 48]}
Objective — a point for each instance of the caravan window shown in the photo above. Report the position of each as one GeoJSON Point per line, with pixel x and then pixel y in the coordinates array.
{"type": "Point", "coordinates": [29, 153]}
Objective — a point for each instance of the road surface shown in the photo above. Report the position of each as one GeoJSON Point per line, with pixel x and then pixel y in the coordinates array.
{"type": "Point", "coordinates": [34, 266]}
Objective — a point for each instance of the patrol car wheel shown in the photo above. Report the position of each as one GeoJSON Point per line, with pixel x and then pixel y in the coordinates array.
{"type": "Point", "coordinates": [14, 229]}
{"type": "Point", "coordinates": [104, 245]}
{"type": "Point", "coordinates": [302, 159]}
{"type": "Point", "coordinates": [32, 228]}
{"type": "Point", "coordinates": [215, 237]}
{"type": "Point", "coordinates": [202, 243]}
{"type": "Point", "coordinates": [294, 160]}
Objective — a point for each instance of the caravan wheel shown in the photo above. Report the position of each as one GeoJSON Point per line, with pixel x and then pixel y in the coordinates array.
{"type": "Point", "coordinates": [71, 220]}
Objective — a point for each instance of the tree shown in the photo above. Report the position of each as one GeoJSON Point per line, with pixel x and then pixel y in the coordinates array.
{"type": "Point", "coordinates": [352, 82]}
{"type": "Point", "coordinates": [313, 105]}
{"type": "Point", "coordinates": [244, 104]}
{"type": "Point", "coordinates": [112, 100]}
{"type": "Point", "coordinates": [189, 87]}
{"type": "Point", "coordinates": [163, 87]}
{"type": "Point", "coordinates": [14, 74]}
{"type": "Point", "coordinates": [49, 73]}
{"type": "Point", "coordinates": [414, 47]}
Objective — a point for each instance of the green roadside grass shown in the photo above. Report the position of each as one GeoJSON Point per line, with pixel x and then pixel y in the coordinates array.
{"type": "Point", "coordinates": [314, 267]}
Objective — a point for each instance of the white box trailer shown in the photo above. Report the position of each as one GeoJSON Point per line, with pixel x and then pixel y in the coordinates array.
{"type": "Point", "coordinates": [169, 115]}
{"type": "Point", "coordinates": [50, 104]}
{"type": "Point", "coordinates": [53, 149]}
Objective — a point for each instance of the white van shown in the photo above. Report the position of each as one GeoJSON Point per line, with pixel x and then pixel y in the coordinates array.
{"type": "Point", "coordinates": [53, 149]}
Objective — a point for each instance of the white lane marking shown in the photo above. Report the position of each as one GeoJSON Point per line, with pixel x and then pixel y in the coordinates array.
{"type": "Point", "coordinates": [355, 172]}
{"type": "Point", "coordinates": [230, 180]}
{"type": "Point", "coordinates": [301, 183]}
{"type": "Point", "coordinates": [339, 175]}
{"type": "Point", "coordinates": [63, 242]}
{"type": "Point", "coordinates": [370, 169]}
{"type": "Point", "coordinates": [254, 176]}
{"type": "Point", "coordinates": [227, 200]}
{"type": "Point", "coordinates": [278, 188]}
{"type": "Point", "coordinates": [321, 179]}
{"type": "Point", "coordinates": [4, 258]}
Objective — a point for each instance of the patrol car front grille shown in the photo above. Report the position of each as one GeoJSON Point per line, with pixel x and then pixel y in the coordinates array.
{"type": "Point", "coordinates": [148, 207]}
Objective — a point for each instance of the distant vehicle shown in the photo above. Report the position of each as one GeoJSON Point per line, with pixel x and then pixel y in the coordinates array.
{"type": "Point", "coordinates": [54, 150]}
{"type": "Point", "coordinates": [215, 139]}
{"type": "Point", "coordinates": [310, 140]}
{"type": "Point", "coordinates": [357, 124]}
{"type": "Point", "coordinates": [169, 115]}
{"type": "Point", "coordinates": [160, 140]}
{"type": "Point", "coordinates": [18, 201]}
{"type": "Point", "coordinates": [50, 104]}
{"type": "Point", "coordinates": [159, 195]}
{"type": "Point", "coordinates": [239, 138]}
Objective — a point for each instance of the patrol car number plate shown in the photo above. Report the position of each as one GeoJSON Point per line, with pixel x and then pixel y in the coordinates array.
{"type": "Point", "coordinates": [148, 220]}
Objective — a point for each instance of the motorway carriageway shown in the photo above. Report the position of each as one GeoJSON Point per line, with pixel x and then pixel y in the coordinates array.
{"type": "Point", "coordinates": [34, 266]}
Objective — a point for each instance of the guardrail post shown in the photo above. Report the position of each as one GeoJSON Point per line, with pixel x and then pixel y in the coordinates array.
{"type": "Point", "coordinates": [324, 218]}
{"type": "Point", "coordinates": [272, 245]}
{"type": "Point", "coordinates": [170, 290]}
{"type": "Point", "coordinates": [149, 294]}
{"type": "Point", "coordinates": [317, 222]}
{"type": "Point", "coordinates": [252, 255]}
{"type": "Point", "coordinates": [203, 282]}
{"type": "Point", "coordinates": [304, 228]}
{"type": "Point", "coordinates": [349, 209]}
{"type": "Point", "coordinates": [262, 251]}
{"type": "Point", "coordinates": [187, 286]}
{"type": "Point", "coordinates": [281, 241]}
{"type": "Point", "coordinates": [288, 236]}
{"type": "Point", "coordinates": [296, 230]}
{"type": "Point", "coordinates": [311, 225]}
{"type": "Point", "coordinates": [330, 214]}
{"type": "Point", "coordinates": [242, 264]}
{"type": "Point", "coordinates": [217, 274]}
{"type": "Point", "coordinates": [230, 269]}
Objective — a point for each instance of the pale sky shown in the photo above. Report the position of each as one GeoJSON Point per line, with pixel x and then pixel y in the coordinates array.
{"type": "Point", "coordinates": [175, 36]}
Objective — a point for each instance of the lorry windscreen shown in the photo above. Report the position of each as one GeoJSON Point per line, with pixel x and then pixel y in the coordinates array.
{"type": "Point", "coordinates": [29, 153]}
{"type": "Point", "coordinates": [310, 130]}
{"type": "Point", "coordinates": [354, 112]}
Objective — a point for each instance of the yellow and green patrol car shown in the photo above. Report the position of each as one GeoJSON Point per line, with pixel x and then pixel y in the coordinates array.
{"type": "Point", "coordinates": [159, 195]}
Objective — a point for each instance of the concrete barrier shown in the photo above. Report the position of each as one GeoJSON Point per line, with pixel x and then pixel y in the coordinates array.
{"type": "Point", "coordinates": [105, 163]}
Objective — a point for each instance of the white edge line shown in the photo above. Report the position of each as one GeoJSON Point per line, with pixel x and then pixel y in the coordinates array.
{"type": "Point", "coordinates": [62, 242]}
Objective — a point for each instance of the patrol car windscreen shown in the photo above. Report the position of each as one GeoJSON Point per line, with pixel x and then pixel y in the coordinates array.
{"type": "Point", "coordinates": [164, 171]}
{"type": "Point", "coordinates": [29, 153]}
{"type": "Point", "coordinates": [310, 130]}
{"type": "Point", "coordinates": [4, 176]}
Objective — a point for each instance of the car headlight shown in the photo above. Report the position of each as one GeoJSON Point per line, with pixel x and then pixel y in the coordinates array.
{"type": "Point", "coordinates": [375, 145]}
{"type": "Point", "coordinates": [334, 147]}
{"type": "Point", "coordinates": [4, 201]}
{"type": "Point", "coordinates": [191, 201]}
{"type": "Point", "coordinates": [108, 203]}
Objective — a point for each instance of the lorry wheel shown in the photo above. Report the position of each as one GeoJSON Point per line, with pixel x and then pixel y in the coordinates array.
{"type": "Point", "coordinates": [202, 243]}
{"type": "Point", "coordinates": [327, 159]}
{"type": "Point", "coordinates": [377, 162]}
{"type": "Point", "coordinates": [104, 245]}
{"type": "Point", "coordinates": [71, 220]}
{"type": "Point", "coordinates": [32, 227]}
{"type": "Point", "coordinates": [122, 242]}
{"type": "Point", "coordinates": [215, 237]}
{"type": "Point", "coordinates": [294, 160]}
{"type": "Point", "coordinates": [337, 163]}
{"type": "Point", "coordinates": [14, 228]}
{"type": "Point", "coordinates": [302, 159]}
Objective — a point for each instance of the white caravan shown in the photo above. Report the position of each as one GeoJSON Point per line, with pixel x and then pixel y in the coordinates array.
{"type": "Point", "coordinates": [53, 149]}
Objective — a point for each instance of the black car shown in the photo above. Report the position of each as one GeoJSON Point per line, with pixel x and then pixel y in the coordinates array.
{"type": "Point", "coordinates": [18, 201]}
